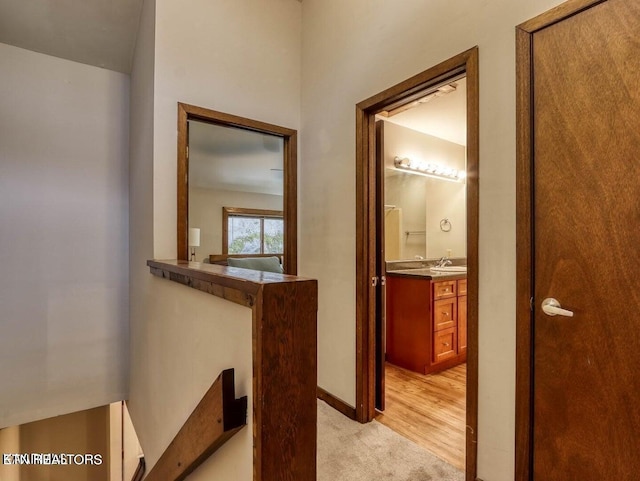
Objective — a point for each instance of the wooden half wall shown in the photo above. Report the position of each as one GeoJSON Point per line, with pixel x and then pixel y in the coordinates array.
{"type": "Point", "coordinates": [284, 330]}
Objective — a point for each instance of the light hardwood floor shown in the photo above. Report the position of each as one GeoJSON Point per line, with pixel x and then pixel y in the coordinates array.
{"type": "Point", "coordinates": [429, 410]}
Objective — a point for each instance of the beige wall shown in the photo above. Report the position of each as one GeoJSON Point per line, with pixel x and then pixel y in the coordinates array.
{"type": "Point", "coordinates": [124, 447]}
{"type": "Point", "coordinates": [141, 212]}
{"type": "Point", "coordinates": [10, 444]}
{"type": "Point", "coordinates": [84, 432]}
{"type": "Point", "coordinates": [205, 212]}
{"type": "Point", "coordinates": [240, 57]}
{"type": "Point", "coordinates": [446, 200]}
{"type": "Point", "coordinates": [64, 236]}
{"type": "Point", "coordinates": [355, 49]}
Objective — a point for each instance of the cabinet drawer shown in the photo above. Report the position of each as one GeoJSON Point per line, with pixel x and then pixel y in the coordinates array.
{"type": "Point", "coordinates": [444, 345]}
{"type": "Point", "coordinates": [444, 289]}
{"type": "Point", "coordinates": [462, 287]}
{"type": "Point", "coordinates": [444, 313]}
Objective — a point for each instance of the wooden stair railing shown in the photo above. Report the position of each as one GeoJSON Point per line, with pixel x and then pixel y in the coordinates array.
{"type": "Point", "coordinates": [284, 315]}
{"type": "Point", "coordinates": [139, 472]}
{"type": "Point", "coordinates": [217, 417]}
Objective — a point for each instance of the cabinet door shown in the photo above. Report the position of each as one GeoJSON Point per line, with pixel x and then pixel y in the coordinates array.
{"type": "Point", "coordinates": [462, 324]}
{"type": "Point", "coordinates": [462, 287]}
{"type": "Point", "coordinates": [444, 345]}
{"type": "Point", "coordinates": [408, 327]}
{"type": "Point", "coordinates": [444, 314]}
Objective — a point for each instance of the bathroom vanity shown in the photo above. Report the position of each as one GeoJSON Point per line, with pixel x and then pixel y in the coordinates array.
{"type": "Point", "coordinates": [426, 319]}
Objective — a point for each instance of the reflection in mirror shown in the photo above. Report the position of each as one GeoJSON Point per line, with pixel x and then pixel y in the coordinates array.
{"type": "Point", "coordinates": [424, 149]}
{"type": "Point", "coordinates": [235, 190]}
{"type": "Point", "coordinates": [239, 198]}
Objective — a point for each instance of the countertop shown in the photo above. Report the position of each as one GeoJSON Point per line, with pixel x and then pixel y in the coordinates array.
{"type": "Point", "coordinates": [428, 274]}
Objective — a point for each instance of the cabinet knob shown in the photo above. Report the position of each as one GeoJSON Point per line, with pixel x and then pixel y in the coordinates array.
{"type": "Point", "coordinates": [445, 344]}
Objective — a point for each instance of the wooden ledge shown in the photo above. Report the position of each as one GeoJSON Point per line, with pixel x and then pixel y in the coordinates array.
{"type": "Point", "coordinates": [284, 315]}
{"type": "Point", "coordinates": [231, 283]}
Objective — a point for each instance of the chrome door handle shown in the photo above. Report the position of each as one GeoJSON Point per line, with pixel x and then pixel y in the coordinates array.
{"type": "Point", "coordinates": [551, 307]}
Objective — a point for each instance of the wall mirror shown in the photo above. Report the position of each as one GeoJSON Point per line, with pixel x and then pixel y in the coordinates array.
{"type": "Point", "coordinates": [424, 149]}
{"type": "Point", "coordinates": [236, 188]}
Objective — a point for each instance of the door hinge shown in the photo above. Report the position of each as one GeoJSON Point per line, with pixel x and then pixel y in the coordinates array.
{"type": "Point", "coordinates": [374, 281]}
{"type": "Point", "coordinates": [187, 151]}
{"type": "Point", "coordinates": [383, 280]}
{"type": "Point", "coordinates": [531, 303]}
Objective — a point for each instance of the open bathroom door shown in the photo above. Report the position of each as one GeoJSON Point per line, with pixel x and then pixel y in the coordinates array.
{"type": "Point", "coordinates": [380, 270]}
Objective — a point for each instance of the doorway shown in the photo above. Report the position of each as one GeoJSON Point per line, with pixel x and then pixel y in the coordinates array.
{"type": "Point", "coordinates": [577, 241]}
{"type": "Point", "coordinates": [421, 373]}
{"type": "Point", "coordinates": [371, 264]}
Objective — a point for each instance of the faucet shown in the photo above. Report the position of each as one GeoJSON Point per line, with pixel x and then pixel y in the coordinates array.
{"type": "Point", "coordinates": [444, 261]}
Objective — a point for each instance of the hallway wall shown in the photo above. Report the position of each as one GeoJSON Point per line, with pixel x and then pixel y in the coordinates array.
{"type": "Point", "coordinates": [64, 249]}
{"type": "Point", "coordinates": [236, 56]}
{"type": "Point", "coordinates": [351, 51]}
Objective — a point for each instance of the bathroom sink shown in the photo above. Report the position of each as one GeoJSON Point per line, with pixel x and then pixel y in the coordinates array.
{"type": "Point", "coordinates": [450, 269]}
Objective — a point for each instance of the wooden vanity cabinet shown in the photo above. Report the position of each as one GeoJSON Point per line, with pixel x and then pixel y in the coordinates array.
{"type": "Point", "coordinates": [426, 322]}
{"type": "Point", "coordinates": [462, 317]}
{"type": "Point", "coordinates": [462, 325]}
{"type": "Point", "coordinates": [408, 332]}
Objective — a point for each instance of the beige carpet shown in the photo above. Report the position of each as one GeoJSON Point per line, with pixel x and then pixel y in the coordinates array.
{"type": "Point", "coordinates": [350, 451]}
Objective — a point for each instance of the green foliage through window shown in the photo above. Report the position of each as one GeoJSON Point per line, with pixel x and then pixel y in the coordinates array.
{"type": "Point", "coordinates": [255, 234]}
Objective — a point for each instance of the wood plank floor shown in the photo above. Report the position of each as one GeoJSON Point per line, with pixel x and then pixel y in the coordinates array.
{"type": "Point", "coordinates": [428, 409]}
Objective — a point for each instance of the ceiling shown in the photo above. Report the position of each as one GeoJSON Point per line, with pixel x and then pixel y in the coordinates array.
{"type": "Point", "coordinates": [94, 32]}
{"type": "Point", "coordinates": [227, 158]}
{"type": "Point", "coordinates": [444, 117]}
{"type": "Point", "coordinates": [103, 33]}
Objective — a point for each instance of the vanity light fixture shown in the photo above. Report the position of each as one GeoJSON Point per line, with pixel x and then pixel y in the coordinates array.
{"type": "Point", "coordinates": [428, 169]}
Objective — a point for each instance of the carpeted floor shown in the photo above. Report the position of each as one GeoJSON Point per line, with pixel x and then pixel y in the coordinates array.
{"type": "Point", "coordinates": [350, 451]}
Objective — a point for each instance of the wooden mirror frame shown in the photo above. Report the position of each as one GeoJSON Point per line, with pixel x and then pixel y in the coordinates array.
{"type": "Point", "coordinates": [188, 112]}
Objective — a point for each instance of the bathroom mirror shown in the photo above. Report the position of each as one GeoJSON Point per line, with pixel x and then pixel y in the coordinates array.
{"type": "Point", "coordinates": [236, 188]}
{"type": "Point", "coordinates": [423, 145]}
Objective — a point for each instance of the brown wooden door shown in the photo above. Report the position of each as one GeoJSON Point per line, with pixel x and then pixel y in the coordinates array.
{"type": "Point", "coordinates": [585, 72]}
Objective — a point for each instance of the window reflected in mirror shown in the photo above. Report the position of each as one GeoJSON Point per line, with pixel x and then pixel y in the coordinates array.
{"type": "Point", "coordinates": [252, 231]}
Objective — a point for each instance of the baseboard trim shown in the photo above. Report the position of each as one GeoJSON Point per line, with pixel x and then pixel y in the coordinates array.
{"type": "Point", "coordinates": [337, 403]}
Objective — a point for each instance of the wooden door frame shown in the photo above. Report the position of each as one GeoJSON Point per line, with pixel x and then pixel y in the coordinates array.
{"type": "Point", "coordinates": [400, 94]}
{"type": "Point", "coordinates": [524, 227]}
